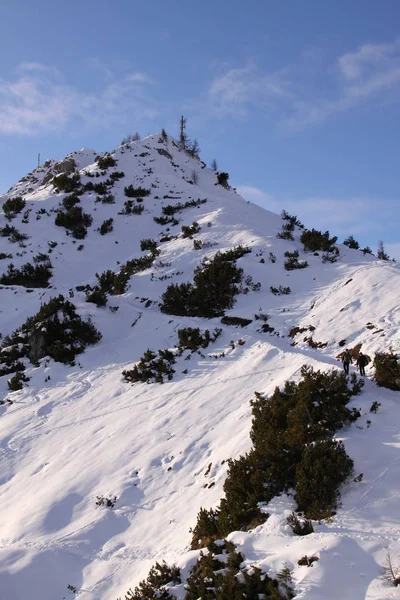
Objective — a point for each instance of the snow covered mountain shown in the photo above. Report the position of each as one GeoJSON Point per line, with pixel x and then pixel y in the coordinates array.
{"type": "Point", "coordinates": [74, 434]}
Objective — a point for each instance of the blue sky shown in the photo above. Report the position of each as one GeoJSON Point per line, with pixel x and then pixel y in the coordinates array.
{"type": "Point", "coordinates": [298, 101]}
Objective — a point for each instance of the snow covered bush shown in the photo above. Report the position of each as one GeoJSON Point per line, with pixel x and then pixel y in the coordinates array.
{"type": "Point", "coordinates": [387, 370]}
{"type": "Point", "coordinates": [299, 526]}
{"type": "Point", "coordinates": [155, 587]}
{"type": "Point", "coordinates": [221, 574]}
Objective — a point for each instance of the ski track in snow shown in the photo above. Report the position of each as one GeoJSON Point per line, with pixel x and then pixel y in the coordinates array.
{"type": "Point", "coordinates": [86, 433]}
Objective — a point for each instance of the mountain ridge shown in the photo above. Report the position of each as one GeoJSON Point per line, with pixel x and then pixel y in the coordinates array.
{"type": "Point", "coordinates": [152, 446]}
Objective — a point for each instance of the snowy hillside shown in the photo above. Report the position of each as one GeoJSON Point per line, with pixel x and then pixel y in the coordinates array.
{"type": "Point", "coordinates": [76, 433]}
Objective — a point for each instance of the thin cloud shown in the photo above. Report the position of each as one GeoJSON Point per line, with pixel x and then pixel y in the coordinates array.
{"type": "Point", "coordinates": [342, 216]}
{"type": "Point", "coordinates": [297, 99]}
{"type": "Point", "coordinates": [39, 102]}
{"type": "Point", "coordinates": [236, 91]}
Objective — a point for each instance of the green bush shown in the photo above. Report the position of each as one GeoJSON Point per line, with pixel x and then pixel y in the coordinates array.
{"type": "Point", "coordinates": [170, 209]}
{"type": "Point", "coordinates": [97, 296]}
{"type": "Point", "coordinates": [190, 231]}
{"type": "Point", "coordinates": [152, 368]}
{"type": "Point", "coordinates": [13, 206]}
{"type": "Point", "coordinates": [64, 183]}
{"type": "Point", "coordinates": [75, 220]}
{"type": "Point", "coordinates": [166, 220]}
{"type": "Point", "coordinates": [292, 220]}
{"type": "Point", "coordinates": [387, 370]}
{"type": "Point", "coordinates": [148, 244]}
{"type": "Point", "coordinates": [223, 179]}
{"type": "Point", "coordinates": [13, 234]}
{"type": "Point", "coordinates": [16, 382]}
{"type": "Point", "coordinates": [131, 209]}
{"type": "Point", "coordinates": [106, 226]}
{"type": "Point", "coordinates": [116, 175]}
{"type": "Point", "coordinates": [70, 201]}
{"type": "Point", "coordinates": [285, 235]}
{"type": "Point", "coordinates": [154, 587]}
{"type": "Point", "coordinates": [212, 292]}
{"type": "Point", "coordinates": [323, 468]}
{"type": "Point", "coordinates": [106, 199]}
{"type": "Point", "coordinates": [55, 331]}
{"type": "Point", "coordinates": [138, 192]}
{"type": "Point", "coordinates": [236, 321]}
{"type": "Point", "coordinates": [281, 291]}
{"type": "Point", "coordinates": [32, 276]}
{"type": "Point", "coordinates": [191, 338]}
{"type": "Point", "coordinates": [314, 240]}
{"type": "Point", "coordinates": [351, 243]}
{"type": "Point", "coordinates": [292, 261]}
{"type": "Point", "coordinates": [106, 161]}
{"type": "Point", "coordinates": [300, 526]}
{"type": "Point", "coordinates": [4, 255]}
{"type": "Point", "coordinates": [215, 579]}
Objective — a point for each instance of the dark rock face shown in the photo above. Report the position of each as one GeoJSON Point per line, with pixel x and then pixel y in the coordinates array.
{"type": "Point", "coordinates": [37, 346]}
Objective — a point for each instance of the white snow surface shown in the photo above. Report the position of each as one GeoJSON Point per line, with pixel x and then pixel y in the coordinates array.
{"type": "Point", "coordinates": [75, 433]}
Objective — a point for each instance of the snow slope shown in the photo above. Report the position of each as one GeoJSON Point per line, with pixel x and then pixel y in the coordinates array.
{"type": "Point", "coordinates": [79, 432]}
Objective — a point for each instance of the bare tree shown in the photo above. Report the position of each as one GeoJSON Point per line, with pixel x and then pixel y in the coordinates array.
{"type": "Point", "coordinates": [390, 571]}
{"type": "Point", "coordinates": [131, 137]}
{"type": "Point", "coordinates": [193, 148]}
{"type": "Point", "coordinates": [214, 165]}
{"type": "Point", "coordinates": [194, 177]}
{"type": "Point", "coordinates": [381, 252]}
